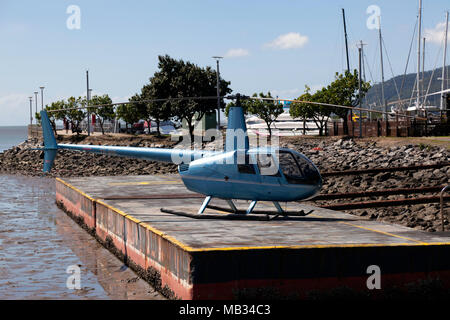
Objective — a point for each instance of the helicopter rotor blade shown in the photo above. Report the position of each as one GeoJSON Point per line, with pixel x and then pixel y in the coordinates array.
{"type": "Point", "coordinates": [140, 101]}
{"type": "Point", "coordinates": [333, 105]}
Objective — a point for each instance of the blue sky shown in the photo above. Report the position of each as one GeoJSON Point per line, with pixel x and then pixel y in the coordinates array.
{"type": "Point", "coordinates": [279, 46]}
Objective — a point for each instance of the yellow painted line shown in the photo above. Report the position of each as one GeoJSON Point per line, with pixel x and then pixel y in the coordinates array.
{"type": "Point", "coordinates": [318, 246]}
{"type": "Point", "coordinates": [385, 233]}
{"type": "Point", "coordinates": [76, 189]}
{"type": "Point", "coordinates": [112, 208]}
{"type": "Point", "coordinates": [377, 231]}
{"type": "Point", "coordinates": [145, 183]}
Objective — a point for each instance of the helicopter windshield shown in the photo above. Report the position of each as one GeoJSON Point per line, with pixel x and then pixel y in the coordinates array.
{"type": "Point", "coordinates": [297, 170]}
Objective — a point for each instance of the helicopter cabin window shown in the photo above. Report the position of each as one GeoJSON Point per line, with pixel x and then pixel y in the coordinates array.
{"type": "Point", "coordinates": [297, 170]}
{"type": "Point", "coordinates": [267, 165]}
{"type": "Point", "coordinates": [246, 167]}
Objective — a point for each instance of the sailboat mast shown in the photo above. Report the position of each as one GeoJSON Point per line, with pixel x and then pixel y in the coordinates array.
{"type": "Point", "coordinates": [383, 100]}
{"type": "Point", "coordinates": [443, 63]}
{"type": "Point", "coordinates": [346, 43]}
{"type": "Point", "coordinates": [423, 71]}
{"type": "Point", "coordinates": [419, 36]}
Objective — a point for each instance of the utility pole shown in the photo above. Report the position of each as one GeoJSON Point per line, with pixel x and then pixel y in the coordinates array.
{"type": "Point", "coordinates": [360, 51]}
{"type": "Point", "coordinates": [31, 110]}
{"type": "Point", "coordinates": [42, 97]}
{"type": "Point", "coordinates": [383, 100]}
{"type": "Point", "coordinates": [346, 41]}
{"type": "Point", "coordinates": [35, 96]}
{"type": "Point", "coordinates": [418, 53]}
{"type": "Point", "coordinates": [87, 103]}
{"type": "Point", "coordinates": [443, 63]}
{"type": "Point", "coordinates": [218, 91]}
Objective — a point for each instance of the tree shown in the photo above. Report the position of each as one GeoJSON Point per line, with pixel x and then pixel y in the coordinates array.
{"type": "Point", "coordinates": [318, 113]}
{"type": "Point", "coordinates": [128, 113]}
{"type": "Point", "coordinates": [176, 79]}
{"type": "Point", "coordinates": [156, 110]}
{"type": "Point", "coordinates": [74, 116]}
{"type": "Point", "coordinates": [267, 110]}
{"type": "Point", "coordinates": [52, 115]}
{"type": "Point", "coordinates": [104, 113]}
{"type": "Point", "coordinates": [344, 91]}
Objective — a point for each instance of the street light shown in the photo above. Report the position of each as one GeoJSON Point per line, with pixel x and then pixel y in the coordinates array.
{"type": "Point", "coordinates": [35, 95]}
{"type": "Point", "coordinates": [31, 110]}
{"type": "Point", "coordinates": [42, 97]}
{"type": "Point", "coordinates": [218, 91]}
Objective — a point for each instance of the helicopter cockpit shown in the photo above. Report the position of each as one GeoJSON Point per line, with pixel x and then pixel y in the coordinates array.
{"type": "Point", "coordinates": [297, 169]}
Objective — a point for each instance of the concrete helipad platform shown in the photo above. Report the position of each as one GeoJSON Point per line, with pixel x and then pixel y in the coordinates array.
{"type": "Point", "coordinates": [212, 259]}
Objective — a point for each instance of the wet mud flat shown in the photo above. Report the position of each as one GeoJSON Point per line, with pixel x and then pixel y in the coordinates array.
{"type": "Point", "coordinates": [38, 242]}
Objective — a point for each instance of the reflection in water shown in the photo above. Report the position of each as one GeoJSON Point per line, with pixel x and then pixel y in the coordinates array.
{"type": "Point", "coordinates": [38, 242]}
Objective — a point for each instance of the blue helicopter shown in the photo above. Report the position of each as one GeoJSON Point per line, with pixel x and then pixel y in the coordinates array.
{"type": "Point", "coordinates": [238, 172]}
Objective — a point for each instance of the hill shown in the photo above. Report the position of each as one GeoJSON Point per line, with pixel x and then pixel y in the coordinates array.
{"type": "Point", "coordinates": [390, 92]}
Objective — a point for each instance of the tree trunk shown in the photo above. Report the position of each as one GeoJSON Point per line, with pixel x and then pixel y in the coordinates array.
{"type": "Point", "coordinates": [149, 124]}
{"type": "Point", "coordinates": [158, 132]}
{"type": "Point", "coordinates": [191, 130]}
{"type": "Point", "coordinates": [101, 125]}
{"type": "Point", "coordinates": [54, 127]}
{"type": "Point", "coordinates": [345, 125]}
{"type": "Point", "coordinates": [270, 129]}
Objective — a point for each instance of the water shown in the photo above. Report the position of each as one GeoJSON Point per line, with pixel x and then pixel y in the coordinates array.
{"type": "Point", "coordinates": [11, 136]}
{"type": "Point", "coordinates": [38, 242]}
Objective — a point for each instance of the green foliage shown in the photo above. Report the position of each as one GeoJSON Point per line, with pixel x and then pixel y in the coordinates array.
{"type": "Point", "coordinates": [318, 113]}
{"type": "Point", "coordinates": [265, 109]}
{"type": "Point", "coordinates": [177, 78]}
{"type": "Point", "coordinates": [53, 116]}
{"type": "Point", "coordinates": [74, 116]}
{"type": "Point", "coordinates": [104, 113]}
{"type": "Point", "coordinates": [344, 91]}
{"type": "Point", "coordinates": [128, 113]}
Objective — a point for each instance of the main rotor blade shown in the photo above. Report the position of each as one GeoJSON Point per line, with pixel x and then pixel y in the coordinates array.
{"type": "Point", "coordinates": [140, 101]}
{"type": "Point", "coordinates": [332, 105]}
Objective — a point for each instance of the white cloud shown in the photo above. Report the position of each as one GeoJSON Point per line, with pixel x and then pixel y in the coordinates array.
{"type": "Point", "coordinates": [289, 40]}
{"type": "Point", "coordinates": [436, 35]}
{"type": "Point", "coordinates": [236, 53]}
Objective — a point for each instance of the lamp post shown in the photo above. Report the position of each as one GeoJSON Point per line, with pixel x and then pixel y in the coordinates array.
{"type": "Point", "coordinates": [31, 110]}
{"type": "Point", "coordinates": [218, 91]}
{"type": "Point", "coordinates": [87, 103]}
{"type": "Point", "coordinates": [35, 96]}
{"type": "Point", "coordinates": [42, 97]}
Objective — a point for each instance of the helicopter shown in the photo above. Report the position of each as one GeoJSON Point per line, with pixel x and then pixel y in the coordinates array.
{"type": "Point", "coordinates": [237, 173]}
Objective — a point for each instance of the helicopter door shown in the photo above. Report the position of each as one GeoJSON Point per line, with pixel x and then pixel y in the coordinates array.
{"type": "Point", "coordinates": [268, 169]}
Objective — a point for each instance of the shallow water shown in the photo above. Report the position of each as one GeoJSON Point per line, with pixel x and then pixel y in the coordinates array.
{"type": "Point", "coordinates": [11, 136]}
{"type": "Point", "coordinates": [38, 242]}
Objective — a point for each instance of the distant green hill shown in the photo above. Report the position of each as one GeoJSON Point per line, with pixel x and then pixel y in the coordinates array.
{"type": "Point", "coordinates": [374, 94]}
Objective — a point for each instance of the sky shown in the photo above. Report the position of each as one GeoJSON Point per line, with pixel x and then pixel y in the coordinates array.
{"type": "Point", "coordinates": [277, 46]}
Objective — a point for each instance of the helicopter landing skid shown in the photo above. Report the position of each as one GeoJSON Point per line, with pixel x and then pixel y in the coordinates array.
{"type": "Point", "coordinates": [233, 207]}
{"type": "Point", "coordinates": [235, 214]}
